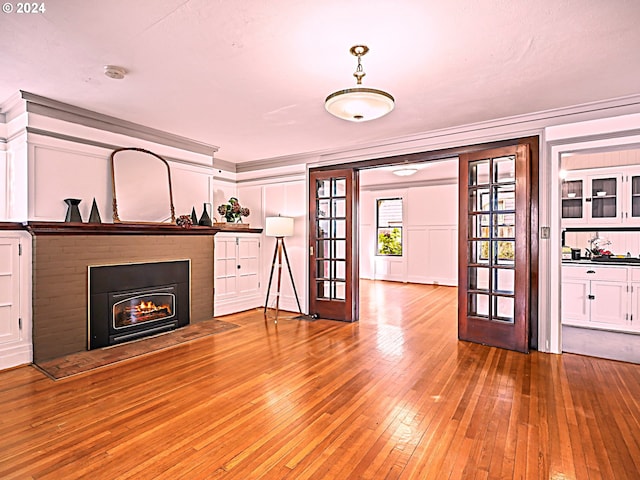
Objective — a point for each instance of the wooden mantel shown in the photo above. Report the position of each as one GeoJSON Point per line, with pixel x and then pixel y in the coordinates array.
{"type": "Point", "coordinates": [76, 228]}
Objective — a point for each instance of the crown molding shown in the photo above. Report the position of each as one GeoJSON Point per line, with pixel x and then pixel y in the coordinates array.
{"type": "Point", "coordinates": [225, 165]}
{"type": "Point", "coordinates": [69, 113]}
{"type": "Point", "coordinates": [517, 125]}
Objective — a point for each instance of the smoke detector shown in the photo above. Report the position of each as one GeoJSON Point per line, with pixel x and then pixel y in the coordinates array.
{"type": "Point", "coordinates": [113, 71]}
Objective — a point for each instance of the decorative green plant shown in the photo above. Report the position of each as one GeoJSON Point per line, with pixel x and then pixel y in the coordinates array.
{"type": "Point", "coordinates": [232, 211]}
{"type": "Point", "coordinates": [390, 242]}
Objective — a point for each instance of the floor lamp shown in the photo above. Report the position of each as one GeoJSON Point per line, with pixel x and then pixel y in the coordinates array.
{"type": "Point", "coordinates": [279, 227]}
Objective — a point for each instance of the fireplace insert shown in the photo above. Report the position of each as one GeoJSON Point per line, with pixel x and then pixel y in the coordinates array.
{"type": "Point", "coordinates": [127, 302]}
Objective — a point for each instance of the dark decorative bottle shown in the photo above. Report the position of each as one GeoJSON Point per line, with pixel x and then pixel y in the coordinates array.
{"type": "Point", "coordinates": [73, 211]}
{"type": "Point", "coordinates": [205, 219]}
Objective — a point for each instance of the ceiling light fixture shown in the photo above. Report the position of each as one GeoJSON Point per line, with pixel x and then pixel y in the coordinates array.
{"type": "Point", "coordinates": [405, 171]}
{"type": "Point", "coordinates": [113, 71]}
{"type": "Point", "coordinates": [359, 104]}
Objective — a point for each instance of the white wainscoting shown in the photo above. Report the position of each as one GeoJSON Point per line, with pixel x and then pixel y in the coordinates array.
{"type": "Point", "coordinates": [430, 236]}
{"type": "Point", "coordinates": [61, 169]}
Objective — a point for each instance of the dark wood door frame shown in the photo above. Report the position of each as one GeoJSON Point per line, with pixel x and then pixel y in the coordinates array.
{"type": "Point", "coordinates": [443, 154]}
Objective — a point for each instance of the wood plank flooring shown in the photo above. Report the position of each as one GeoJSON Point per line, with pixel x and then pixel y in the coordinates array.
{"type": "Point", "coordinates": [395, 396]}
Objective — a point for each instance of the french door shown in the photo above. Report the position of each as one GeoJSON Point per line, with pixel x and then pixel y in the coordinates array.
{"type": "Point", "coordinates": [333, 244]}
{"type": "Point", "coordinates": [494, 247]}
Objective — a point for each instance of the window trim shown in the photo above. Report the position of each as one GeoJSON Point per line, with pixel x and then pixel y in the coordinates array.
{"type": "Point", "coordinates": [399, 227]}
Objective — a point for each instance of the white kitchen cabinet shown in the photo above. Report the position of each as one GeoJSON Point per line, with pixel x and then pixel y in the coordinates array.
{"type": "Point", "coordinates": [609, 303]}
{"type": "Point", "coordinates": [575, 301]}
{"type": "Point", "coordinates": [15, 331]}
{"type": "Point", "coordinates": [236, 272]}
{"type": "Point", "coordinates": [594, 199]}
{"type": "Point", "coordinates": [597, 297]}
{"type": "Point", "coordinates": [634, 315]}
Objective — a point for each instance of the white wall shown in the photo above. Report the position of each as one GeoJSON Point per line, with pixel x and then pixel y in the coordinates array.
{"type": "Point", "coordinates": [430, 242]}
{"type": "Point", "coordinates": [287, 198]}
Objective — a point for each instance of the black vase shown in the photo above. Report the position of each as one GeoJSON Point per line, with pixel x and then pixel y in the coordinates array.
{"type": "Point", "coordinates": [194, 217]}
{"type": "Point", "coordinates": [205, 219]}
{"type": "Point", "coordinates": [73, 211]}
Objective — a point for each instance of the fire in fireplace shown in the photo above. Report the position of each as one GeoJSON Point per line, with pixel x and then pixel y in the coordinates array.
{"type": "Point", "coordinates": [136, 300]}
{"type": "Point", "coordinates": [138, 307]}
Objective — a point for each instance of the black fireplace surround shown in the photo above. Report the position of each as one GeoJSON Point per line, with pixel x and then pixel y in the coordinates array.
{"type": "Point", "coordinates": [131, 301]}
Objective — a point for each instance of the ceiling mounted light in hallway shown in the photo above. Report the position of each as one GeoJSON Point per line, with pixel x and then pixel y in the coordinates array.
{"type": "Point", "coordinates": [359, 104]}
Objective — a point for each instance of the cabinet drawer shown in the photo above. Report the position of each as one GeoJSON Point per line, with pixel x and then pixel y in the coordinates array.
{"type": "Point", "coordinates": [588, 272]}
{"type": "Point", "coordinates": [635, 274]}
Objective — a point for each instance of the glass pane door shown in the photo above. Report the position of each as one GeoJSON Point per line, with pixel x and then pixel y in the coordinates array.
{"type": "Point", "coordinates": [490, 271]}
{"type": "Point", "coordinates": [493, 290]}
{"type": "Point", "coordinates": [333, 258]}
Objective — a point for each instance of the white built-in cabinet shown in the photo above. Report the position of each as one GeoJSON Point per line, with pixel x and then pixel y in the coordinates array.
{"type": "Point", "coordinates": [606, 198]}
{"type": "Point", "coordinates": [600, 297]}
{"type": "Point", "coordinates": [237, 273]}
{"type": "Point", "coordinates": [15, 332]}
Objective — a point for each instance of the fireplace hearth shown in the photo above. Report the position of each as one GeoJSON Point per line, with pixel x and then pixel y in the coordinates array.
{"type": "Point", "coordinates": [131, 301]}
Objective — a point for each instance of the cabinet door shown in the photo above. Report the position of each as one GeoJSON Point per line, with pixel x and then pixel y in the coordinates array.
{"type": "Point", "coordinates": [248, 265]}
{"type": "Point", "coordinates": [575, 301]}
{"type": "Point", "coordinates": [609, 304]}
{"type": "Point", "coordinates": [573, 196]}
{"type": "Point", "coordinates": [634, 316]}
{"type": "Point", "coordinates": [605, 195]}
{"type": "Point", "coordinates": [225, 267]}
{"type": "Point", "coordinates": [9, 291]}
{"type": "Point", "coordinates": [632, 214]}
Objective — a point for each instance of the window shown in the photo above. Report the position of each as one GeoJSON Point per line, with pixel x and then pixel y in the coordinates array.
{"type": "Point", "coordinates": [389, 226]}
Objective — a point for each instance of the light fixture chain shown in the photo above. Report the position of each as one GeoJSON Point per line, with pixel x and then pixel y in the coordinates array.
{"type": "Point", "coordinates": [359, 73]}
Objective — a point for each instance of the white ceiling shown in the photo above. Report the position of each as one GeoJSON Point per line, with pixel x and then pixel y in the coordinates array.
{"type": "Point", "coordinates": [251, 75]}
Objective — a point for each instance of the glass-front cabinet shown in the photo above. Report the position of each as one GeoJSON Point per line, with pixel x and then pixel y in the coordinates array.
{"type": "Point", "coordinates": [592, 199]}
{"type": "Point", "coordinates": [632, 215]}
{"type": "Point", "coordinates": [604, 196]}
{"type": "Point", "coordinates": [573, 199]}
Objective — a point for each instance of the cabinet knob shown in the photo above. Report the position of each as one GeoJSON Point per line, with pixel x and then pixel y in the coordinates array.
{"type": "Point", "coordinates": [238, 267]}
{"type": "Point", "coordinates": [591, 271]}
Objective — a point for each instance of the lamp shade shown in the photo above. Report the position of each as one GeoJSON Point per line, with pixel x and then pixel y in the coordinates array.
{"type": "Point", "coordinates": [279, 226]}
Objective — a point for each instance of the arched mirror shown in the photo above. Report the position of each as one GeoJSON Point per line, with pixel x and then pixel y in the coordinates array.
{"type": "Point", "coordinates": [141, 187]}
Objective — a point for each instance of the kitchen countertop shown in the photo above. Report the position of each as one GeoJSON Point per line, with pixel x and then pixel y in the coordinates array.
{"type": "Point", "coordinates": [623, 262]}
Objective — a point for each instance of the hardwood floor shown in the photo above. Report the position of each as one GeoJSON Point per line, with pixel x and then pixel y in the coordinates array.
{"type": "Point", "coordinates": [393, 396]}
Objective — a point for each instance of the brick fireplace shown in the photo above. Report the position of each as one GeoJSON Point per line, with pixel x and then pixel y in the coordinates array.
{"type": "Point", "coordinates": [63, 253]}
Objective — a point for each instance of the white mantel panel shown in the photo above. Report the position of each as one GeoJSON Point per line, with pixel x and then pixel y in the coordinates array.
{"type": "Point", "coordinates": [59, 173]}
{"type": "Point", "coordinates": [17, 179]}
{"type": "Point", "coordinates": [191, 189]}
{"type": "Point", "coordinates": [4, 193]}
{"type": "Point", "coordinates": [250, 196]}
{"type": "Point", "coordinates": [82, 171]}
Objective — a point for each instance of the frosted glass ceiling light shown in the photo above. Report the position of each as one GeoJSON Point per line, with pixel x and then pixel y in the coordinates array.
{"type": "Point", "coordinates": [359, 104]}
{"type": "Point", "coordinates": [405, 171]}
